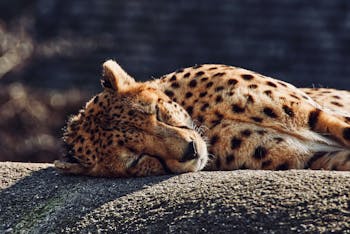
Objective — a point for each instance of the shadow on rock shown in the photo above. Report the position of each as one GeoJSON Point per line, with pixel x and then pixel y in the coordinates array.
{"type": "Point", "coordinates": [46, 200]}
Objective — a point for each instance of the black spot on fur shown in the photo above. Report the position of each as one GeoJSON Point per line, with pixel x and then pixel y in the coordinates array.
{"type": "Point", "coordinates": [214, 139]}
{"type": "Point", "coordinates": [247, 76]}
{"type": "Point", "coordinates": [210, 84]}
{"type": "Point", "coordinates": [230, 158]}
{"type": "Point", "coordinates": [204, 79]}
{"type": "Point", "coordinates": [288, 110]}
{"type": "Point", "coordinates": [282, 167]}
{"type": "Point", "coordinates": [173, 78]}
{"type": "Point", "coordinates": [232, 81]}
{"type": "Point", "coordinates": [193, 83]}
{"type": "Point", "coordinates": [196, 66]}
{"type": "Point", "coordinates": [269, 112]}
{"type": "Point", "coordinates": [187, 75]}
{"type": "Point", "coordinates": [169, 93]}
{"type": "Point", "coordinates": [200, 73]}
{"type": "Point", "coordinates": [131, 112]}
{"type": "Point", "coordinates": [337, 104]}
{"type": "Point", "coordinates": [215, 122]}
{"type": "Point", "coordinates": [261, 132]}
{"type": "Point", "coordinates": [268, 93]}
{"type": "Point", "coordinates": [346, 134]}
{"type": "Point", "coordinates": [219, 74]}
{"type": "Point", "coordinates": [80, 139]}
{"type": "Point", "coordinates": [260, 152]}
{"type": "Point", "coordinates": [219, 115]}
{"type": "Point", "coordinates": [219, 88]}
{"type": "Point", "coordinates": [313, 118]}
{"type": "Point", "coordinates": [256, 119]}
{"type": "Point", "coordinates": [269, 83]}
{"type": "Point", "coordinates": [282, 83]}
{"type": "Point", "coordinates": [213, 68]}
{"type": "Point", "coordinates": [188, 95]}
{"type": "Point", "coordinates": [347, 119]}
{"type": "Point", "coordinates": [250, 99]}
{"type": "Point", "coordinates": [252, 86]}
{"type": "Point", "coordinates": [218, 99]}
{"type": "Point", "coordinates": [202, 94]}
{"type": "Point", "coordinates": [189, 110]}
{"type": "Point", "coordinates": [120, 142]}
{"type": "Point", "coordinates": [294, 96]}
{"type": "Point", "coordinates": [200, 118]}
{"type": "Point", "coordinates": [246, 132]}
{"type": "Point", "coordinates": [235, 143]}
{"type": "Point", "coordinates": [205, 106]}
{"type": "Point", "coordinates": [237, 109]}
{"type": "Point", "coordinates": [175, 85]}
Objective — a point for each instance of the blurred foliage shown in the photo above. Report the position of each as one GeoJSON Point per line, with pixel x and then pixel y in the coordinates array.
{"type": "Point", "coordinates": [31, 117]}
{"type": "Point", "coordinates": [31, 121]}
{"type": "Point", "coordinates": [51, 52]}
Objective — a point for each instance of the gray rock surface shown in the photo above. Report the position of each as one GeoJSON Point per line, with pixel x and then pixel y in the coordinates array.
{"type": "Point", "coordinates": [36, 199]}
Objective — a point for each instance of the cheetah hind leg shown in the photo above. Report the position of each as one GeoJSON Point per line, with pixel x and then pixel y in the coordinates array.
{"type": "Point", "coordinates": [337, 160]}
{"type": "Point", "coordinates": [329, 124]}
{"type": "Point", "coordinates": [70, 168]}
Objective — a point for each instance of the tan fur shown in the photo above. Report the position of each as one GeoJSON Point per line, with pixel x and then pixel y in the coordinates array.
{"type": "Point", "coordinates": [248, 120]}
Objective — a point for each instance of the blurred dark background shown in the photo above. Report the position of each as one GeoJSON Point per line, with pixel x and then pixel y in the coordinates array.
{"type": "Point", "coordinates": [51, 52]}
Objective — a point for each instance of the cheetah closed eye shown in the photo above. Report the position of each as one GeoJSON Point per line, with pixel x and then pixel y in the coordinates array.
{"type": "Point", "coordinates": [212, 117]}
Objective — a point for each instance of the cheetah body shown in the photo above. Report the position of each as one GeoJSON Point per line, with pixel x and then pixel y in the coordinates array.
{"type": "Point", "coordinates": [213, 117]}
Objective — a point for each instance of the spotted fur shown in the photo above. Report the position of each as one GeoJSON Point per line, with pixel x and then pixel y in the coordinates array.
{"type": "Point", "coordinates": [213, 117]}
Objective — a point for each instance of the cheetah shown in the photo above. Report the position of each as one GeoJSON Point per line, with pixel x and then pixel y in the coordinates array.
{"type": "Point", "coordinates": [206, 117]}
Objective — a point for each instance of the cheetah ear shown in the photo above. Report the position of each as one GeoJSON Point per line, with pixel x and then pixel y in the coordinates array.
{"type": "Point", "coordinates": [114, 77]}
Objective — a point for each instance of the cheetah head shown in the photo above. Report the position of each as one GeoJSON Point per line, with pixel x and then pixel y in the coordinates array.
{"type": "Point", "coordinates": [131, 129]}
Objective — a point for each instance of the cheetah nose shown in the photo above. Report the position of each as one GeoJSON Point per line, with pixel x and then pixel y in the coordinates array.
{"type": "Point", "coordinates": [190, 153]}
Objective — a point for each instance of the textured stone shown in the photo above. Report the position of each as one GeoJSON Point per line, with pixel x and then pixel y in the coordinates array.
{"type": "Point", "coordinates": [36, 199]}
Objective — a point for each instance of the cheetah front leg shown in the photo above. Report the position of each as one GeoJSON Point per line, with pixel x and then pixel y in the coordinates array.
{"type": "Point", "coordinates": [236, 145]}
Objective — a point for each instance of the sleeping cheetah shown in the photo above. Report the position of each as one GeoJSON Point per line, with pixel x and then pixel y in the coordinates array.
{"type": "Point", "coordinates": [212, 117]}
